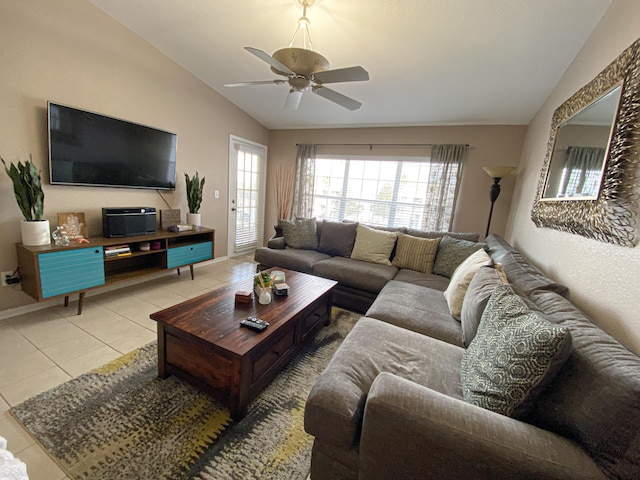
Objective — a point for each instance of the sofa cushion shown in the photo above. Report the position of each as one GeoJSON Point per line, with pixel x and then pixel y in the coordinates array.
{"type": "Point", "coordinates": [373, 245]}
{"type": "Point", "coordinates": [422, 310]}
{"type": "Point", "coordinates": [334, 408]}
{"type": "Point", "coordinates": [460, 280]}
{"type": "Point", "coordinates": [414, 232]}
{"type": "Point", "coordinates": [526, 278]}
{"type": "Point", "coordinates": [291, 258]}
{"type": "Point", "coordinates": [300, 233]}
{"type": "Point", "coordinates": [367, 276]}
{"type": "Point", "coordinates": [428, 280]}
{"type": "Point", "coordinates": [451, 253]}
{"type": "Point", "coordinates": [513, 357]}
{"type": "Point", "coordinates": [415, 253]}
{"type": "Point", "coordinates": [595, 399]}
{"type": "Point", "coordinates": [480, 289]}
{"type": "Point", "coordinates": [337, 238]}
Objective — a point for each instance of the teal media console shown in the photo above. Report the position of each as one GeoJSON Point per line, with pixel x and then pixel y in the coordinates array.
{"type": "Point", "coordinates": [51, 271]}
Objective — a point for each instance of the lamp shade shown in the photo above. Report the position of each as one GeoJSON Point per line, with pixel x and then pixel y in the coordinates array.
{"type": "Point", "coordinates": [498, 171]}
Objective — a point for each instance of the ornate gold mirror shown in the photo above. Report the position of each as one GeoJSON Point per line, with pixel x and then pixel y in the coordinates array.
{"type": "Point", "coordinates": [587, 184]}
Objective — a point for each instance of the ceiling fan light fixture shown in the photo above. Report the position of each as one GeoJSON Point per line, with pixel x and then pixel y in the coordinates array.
{"type": "Point", "coordinates": [303, 24]}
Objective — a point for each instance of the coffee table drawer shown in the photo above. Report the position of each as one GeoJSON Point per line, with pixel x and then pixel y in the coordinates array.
{"type": "Point", "coordinates": [318, 316]}
{"type": "Point", "coordinates": [199, 361]}
{"type": "Point", "coordinates": [272, 354]}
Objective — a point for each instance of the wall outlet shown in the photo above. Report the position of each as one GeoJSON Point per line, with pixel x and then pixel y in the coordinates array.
{"type": "Point", "coordinates": [216, 194]}
{"type": "Point", "coordinates": [8, 278]}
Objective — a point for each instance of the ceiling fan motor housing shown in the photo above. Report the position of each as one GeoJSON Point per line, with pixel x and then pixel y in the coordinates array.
{"type": "Point", "coordinates": [301, 61]}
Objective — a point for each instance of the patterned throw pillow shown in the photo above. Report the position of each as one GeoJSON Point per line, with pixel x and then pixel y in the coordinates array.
{"type": "Point", "coordinates": [460, 280]}
{"type": "Point", "coordinates": [373, 246]}
{"type": "Point", "coordinates": [514, 355]}
{"type": "Point", "coordinates": [451, 253]}
{"type": "Point", "coordinates": [300, 233]}
{"type": "Point", "coordinates": [416, 253]}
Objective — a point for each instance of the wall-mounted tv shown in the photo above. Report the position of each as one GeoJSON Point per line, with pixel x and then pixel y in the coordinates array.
{"type": "Point", "coordinates": [86, 148]}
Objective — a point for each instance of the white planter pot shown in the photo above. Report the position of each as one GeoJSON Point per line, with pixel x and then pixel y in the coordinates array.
{"type": "Point", "coordinates": [35, 233]}
{"type": "Point", "coordinates": [193, 219]}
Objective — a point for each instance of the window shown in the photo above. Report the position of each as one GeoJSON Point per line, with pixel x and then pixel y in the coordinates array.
{"type": "Point", "coordinates": [392, 192]}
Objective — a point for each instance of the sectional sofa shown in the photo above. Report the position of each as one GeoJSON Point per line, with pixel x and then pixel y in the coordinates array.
{"type": "Point", "coordinates": [519, 383]}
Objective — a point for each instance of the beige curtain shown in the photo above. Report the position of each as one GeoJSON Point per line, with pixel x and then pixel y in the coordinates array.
{"type": "Point", "coordinates": [444, 179]}
{"type": "Point", "coordinates": [303, 189]}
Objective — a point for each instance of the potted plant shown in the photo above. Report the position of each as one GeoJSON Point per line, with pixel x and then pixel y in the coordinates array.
{"type": "Point", "coordinates": [30, 197]}
{"type": "Point", "coordinates": [194, 197]}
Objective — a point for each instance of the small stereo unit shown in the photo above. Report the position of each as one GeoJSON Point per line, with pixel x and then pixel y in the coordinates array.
{"type": "Point", "coordinates": [128, 222]}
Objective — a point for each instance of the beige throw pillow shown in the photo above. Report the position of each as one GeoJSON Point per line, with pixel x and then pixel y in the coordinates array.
{"type": "Point", "coordinates": [373, 245]}
{"type": "Point", "coordinates": [416, 253]}
{"type": "Point", "coordinates": [460, 280]}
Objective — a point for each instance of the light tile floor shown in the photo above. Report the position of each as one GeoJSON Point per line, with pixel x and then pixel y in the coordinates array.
{"type": "Point", "coordinates": [41, 350]}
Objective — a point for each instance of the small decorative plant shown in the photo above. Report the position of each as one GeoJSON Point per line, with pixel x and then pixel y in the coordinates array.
{"type": "Point", "coordinates": [194, 192]}
{"type": "Point", "coordinates": [27, 188]}
{"type": "Point", "coordinates": [262, 280]}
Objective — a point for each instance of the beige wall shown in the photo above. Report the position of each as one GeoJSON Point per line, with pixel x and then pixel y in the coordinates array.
{"type": "Point", "coordinates": [489, 145]}
{"type": "Point", "coordinates": [70, 52]}
{"type": "Point", "coordinates": [603, 278]}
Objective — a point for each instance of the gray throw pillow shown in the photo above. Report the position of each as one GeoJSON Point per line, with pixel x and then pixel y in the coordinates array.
{"type": "Point", "coordinates": [512, 358]}
{"type": "Point", "coordinates": [451, 253]}
{"type": "Point", "coordinates": [337, 238]}
{"type": "Point", "coordinates": [475, 301]}
{"type": "Point", "coordinates": [300, 233]}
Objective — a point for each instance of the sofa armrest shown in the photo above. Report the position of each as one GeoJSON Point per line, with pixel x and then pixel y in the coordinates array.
{"type": "Point", "coordinates": [276, 243]}
{"type": "Point", "coordinates": [410, 431]}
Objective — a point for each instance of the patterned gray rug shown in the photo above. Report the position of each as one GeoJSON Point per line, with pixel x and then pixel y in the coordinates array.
{"type": "Point", "coordinates": [122, 422]}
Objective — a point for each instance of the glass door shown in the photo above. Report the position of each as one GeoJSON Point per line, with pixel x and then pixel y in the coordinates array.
{"type": "Point", "coordinates": [247, 181]}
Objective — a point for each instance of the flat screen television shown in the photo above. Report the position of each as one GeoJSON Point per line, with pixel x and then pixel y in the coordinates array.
{"type": "Point", "coordinates": [87, 148]}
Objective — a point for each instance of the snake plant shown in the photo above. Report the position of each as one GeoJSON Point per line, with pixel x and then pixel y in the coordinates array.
{"type": "Point", "coordinates": [27, 188]}
{"type": "Point", "coordinates": [194, 192]}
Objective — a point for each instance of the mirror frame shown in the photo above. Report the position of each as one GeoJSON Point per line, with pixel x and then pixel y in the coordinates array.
{"type": "Point", "coordinates": [611, 217]}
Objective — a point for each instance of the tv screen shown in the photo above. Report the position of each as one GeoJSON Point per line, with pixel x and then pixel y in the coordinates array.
{"type": "Point", "coordinates": [90, 149]}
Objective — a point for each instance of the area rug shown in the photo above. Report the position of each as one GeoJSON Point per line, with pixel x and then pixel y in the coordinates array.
{"type": "Point", "coordinates": [122, 422]}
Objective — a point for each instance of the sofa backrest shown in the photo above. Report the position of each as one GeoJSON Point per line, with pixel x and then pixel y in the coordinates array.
{"type": "Point", "coordinates": [524, 277]}
{"type": "Point", "coordinates": [595, 398]}
{"type": "Point", "coordinates": [414, 232]}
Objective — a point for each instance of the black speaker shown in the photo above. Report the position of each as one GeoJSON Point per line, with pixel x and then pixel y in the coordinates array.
{"type": "Point", "coordinates": [128, 222]}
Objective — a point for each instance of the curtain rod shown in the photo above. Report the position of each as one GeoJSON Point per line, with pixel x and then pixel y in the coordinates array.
{"type": "Point", "coordinates": [371, 145]}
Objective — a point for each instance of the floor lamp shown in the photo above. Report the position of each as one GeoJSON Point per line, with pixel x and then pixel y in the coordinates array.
{"type": "Point", "coordinates": [497, 172]}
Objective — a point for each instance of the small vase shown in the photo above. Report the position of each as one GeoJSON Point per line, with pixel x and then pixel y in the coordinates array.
{"type": "Point", "coordinates": [265, 296]}
{"type": "Point", "coordinates": [35, 233]}
{"type": "Point", "coordinates": [193, 219]}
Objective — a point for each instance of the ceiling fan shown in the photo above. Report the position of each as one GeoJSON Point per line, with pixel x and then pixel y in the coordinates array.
{"type": "Point", "coordinates": [305, 69]}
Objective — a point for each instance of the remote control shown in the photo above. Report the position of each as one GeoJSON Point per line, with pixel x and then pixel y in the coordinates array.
{"type": "Point", "coordinates": [254, 323]}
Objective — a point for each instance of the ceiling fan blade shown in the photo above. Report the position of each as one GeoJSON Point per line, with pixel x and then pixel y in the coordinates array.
{"type": "Point", "coordinates": [270, 60]}
{"type": "Point", "coordinates": [250, 84]}
{"type": "Point", "coordinates": [349, 74]}
{"type": "Point", "coordinates": [336, 97]}
{"type": "Point", "coordinates": [293, 100]}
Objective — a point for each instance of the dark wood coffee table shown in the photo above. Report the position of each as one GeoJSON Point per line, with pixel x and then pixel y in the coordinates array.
{"type": "Point", "coordinates": [201, 340]}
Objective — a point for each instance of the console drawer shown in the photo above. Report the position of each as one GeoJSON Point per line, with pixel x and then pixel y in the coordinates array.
{"type": "Point", "coordinates": [70, 270]}
{"type": "Point", "coordinates": [188, 254]}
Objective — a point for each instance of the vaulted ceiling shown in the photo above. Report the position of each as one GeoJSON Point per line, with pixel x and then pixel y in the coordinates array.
{"type": "Point", "coordinates": [431, 62]}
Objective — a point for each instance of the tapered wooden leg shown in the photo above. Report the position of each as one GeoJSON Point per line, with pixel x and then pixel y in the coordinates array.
{"type": "Point", "coordinates": [178, 271]}
{"type": "Point", "coordinates": [80, 300]}
{"type": "Point", "coordinates": [66, 300]}
{"type": "Point", "coordinates": [191, 267]}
